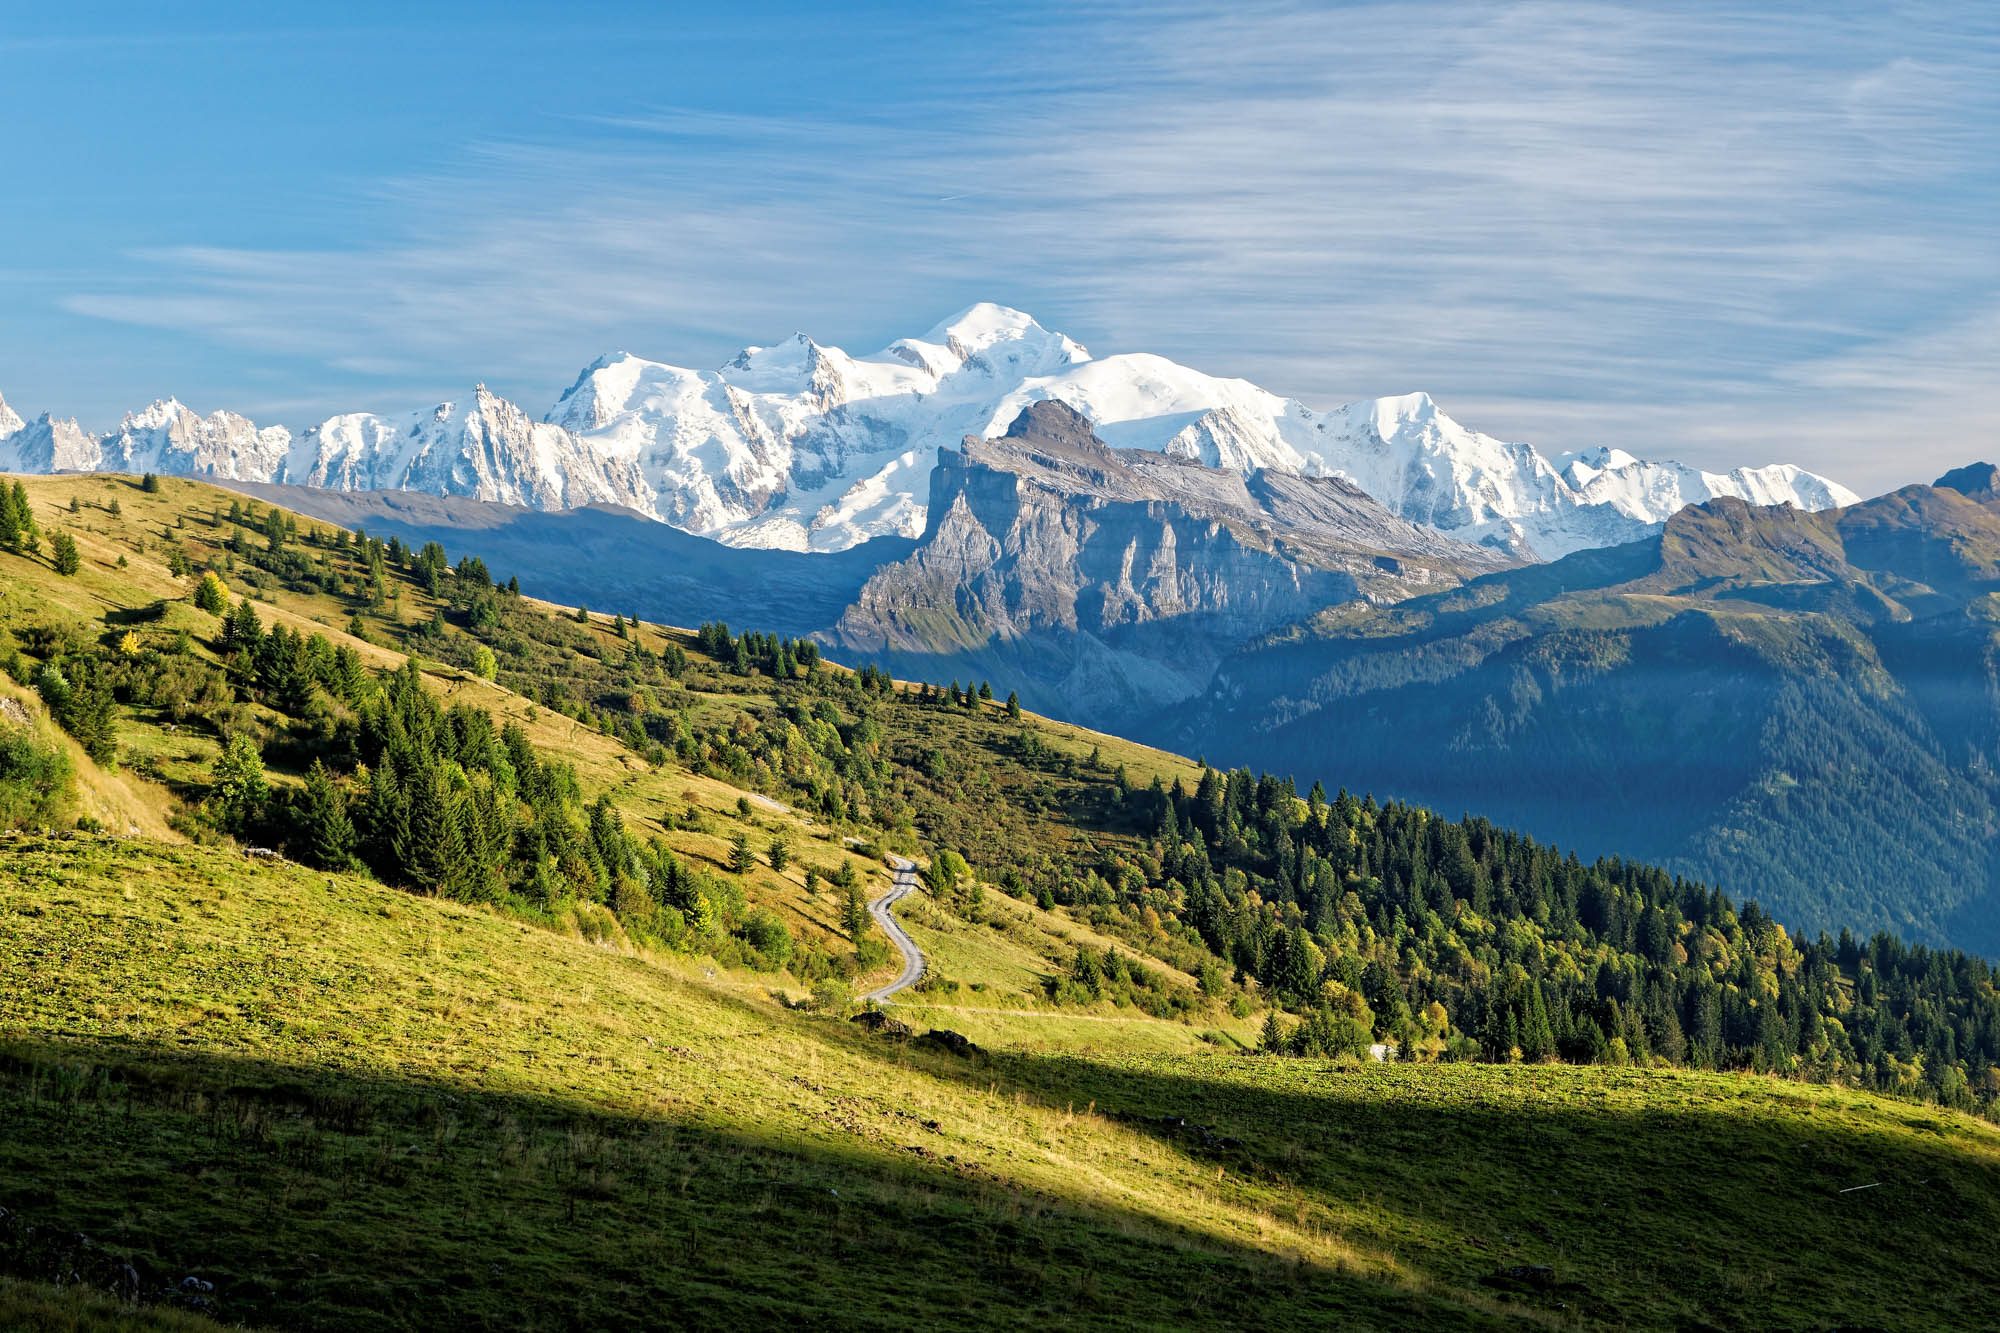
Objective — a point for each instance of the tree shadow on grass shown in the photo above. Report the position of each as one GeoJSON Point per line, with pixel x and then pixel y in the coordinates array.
{"type": "Point", "coordinates": [1654, 1198]}
{"type": "Point", "coordinates": [316, 1199]}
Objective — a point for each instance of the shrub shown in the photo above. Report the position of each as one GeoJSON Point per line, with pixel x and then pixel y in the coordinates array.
{"type": "Point", "coordinates": [36, 781]}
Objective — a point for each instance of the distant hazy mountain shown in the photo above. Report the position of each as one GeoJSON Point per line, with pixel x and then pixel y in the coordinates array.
{"type": "Point", "coordinates": [804, 447]}
{"type": "Point", "coordinates": [1802, 708]}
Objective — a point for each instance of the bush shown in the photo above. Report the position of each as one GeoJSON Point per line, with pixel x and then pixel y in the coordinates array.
{"type": "Point", "coordinates": [768, 936]}
{"type": "Point", "coordinates": [36, 780]}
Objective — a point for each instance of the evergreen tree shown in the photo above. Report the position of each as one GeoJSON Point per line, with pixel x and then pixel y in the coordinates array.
{"type": "Point", "coordinates": [780, 855]}
{"type": "Point", "coordinates": [210, 595]}
{"type": "Point", "coordinates": [854, 914]}
{"type": "Point", "coordinates": [64, 553]}
{"type": "Point", "coordinates": [325, 836]}
{"type": "Point", "coordinates": [740, 857]}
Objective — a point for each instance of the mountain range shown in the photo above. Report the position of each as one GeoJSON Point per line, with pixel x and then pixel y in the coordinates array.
{"type": "Point", "coordinates": [800, 446]}
{"type": "Point", "coordinates": [1803, 707]}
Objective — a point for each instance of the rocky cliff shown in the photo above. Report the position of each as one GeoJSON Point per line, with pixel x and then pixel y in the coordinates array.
{"type": "Point", "coordinates": [1109, 580]}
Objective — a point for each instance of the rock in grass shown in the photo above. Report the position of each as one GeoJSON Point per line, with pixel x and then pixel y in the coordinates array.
{"type": "Point", "coordinates": [884, 1026]}
{"type": "Point", "coordinates": [956, 1043]}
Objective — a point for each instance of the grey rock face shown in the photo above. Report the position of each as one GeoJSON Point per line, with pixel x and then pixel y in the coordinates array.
{"type": "Point", "coordinates": [1116, 579]}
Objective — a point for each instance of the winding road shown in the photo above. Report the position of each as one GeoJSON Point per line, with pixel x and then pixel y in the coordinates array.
{"type": "Point", "coordinates": [902, 886]}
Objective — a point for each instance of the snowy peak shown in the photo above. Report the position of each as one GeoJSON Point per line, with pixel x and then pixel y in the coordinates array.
{"type": "Point", "coordinates": [169, 436]}
{"type": "Point", "coordinates": [1011, 335]}
{"type": "Point", "coordinates": [10, 420]}
{"type": "Point", "coordinates": [1410, 411]}
{"type": "Point", "coordinates": [797, 444]}
{"type": "Point", "coordinates": [486, 448]}
{"type": "Point", "coordinates": [48, 445]}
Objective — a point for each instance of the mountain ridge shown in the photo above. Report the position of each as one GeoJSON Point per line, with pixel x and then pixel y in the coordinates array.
{"type": "Point", "coordinates": [1798, 707]}
{"type": "Point", "coordinates": [802, 446]}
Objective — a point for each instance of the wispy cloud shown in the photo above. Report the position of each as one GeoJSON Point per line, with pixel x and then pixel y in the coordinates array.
{"type": "Point", "coordinates": [1714, 231]}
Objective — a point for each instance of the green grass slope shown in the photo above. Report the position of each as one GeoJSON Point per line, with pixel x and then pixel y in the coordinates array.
{"type": "Point", "coordinates": [345, 1104]}
{"type": "Point", "coordinates": [572, 688]}
{"type": "Point", "coordinates": [349, 1107]}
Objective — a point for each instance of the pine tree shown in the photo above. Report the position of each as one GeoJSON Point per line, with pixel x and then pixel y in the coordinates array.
{"type": "Point", "coordinates": [1272, 1039]}
{"type": "Point", "coordinates": [740, 857]}
{"type": "Point", "coordinates": [854, 914]}
{"type": "Point", "coordinates": [150, 483]}
{"type": "Point", "coordinates": [65, 555]}
{"type": "Point", "coordinates": [1013, 705]}
{"type": "Point", "coordinates": [780, 855]}
{"type": "Point", "coordinates": [210, 595]}
{"type": "Point", "coordinates": [326, 835]}
{"type": "Point", "coordinates": [26, 536]}
{"type": "Point", "coordinates": [430, 859]}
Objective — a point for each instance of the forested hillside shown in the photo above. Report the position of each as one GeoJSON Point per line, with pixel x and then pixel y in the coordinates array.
{"type": "Point", "coordinates": [605, 854]}
{"type": "Point", "coordinates": [1796, 708]}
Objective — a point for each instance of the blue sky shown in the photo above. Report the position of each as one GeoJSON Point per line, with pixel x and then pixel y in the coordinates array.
{"type": "Point", "coordinates": [1717, 234]}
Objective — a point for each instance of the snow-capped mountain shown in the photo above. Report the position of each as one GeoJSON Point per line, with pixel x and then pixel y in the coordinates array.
{"type": "Point", "coordinates": [804, 447]}
{"type": "Point", "coordinates": [170, 437]}
{"type": "Point", "coordinates": [486, 448]}
{"type": "Point", "coordinates": [45, 444]}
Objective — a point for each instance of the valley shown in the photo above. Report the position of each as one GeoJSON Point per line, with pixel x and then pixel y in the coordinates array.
{"type": "Point", "coordinates": [557, 1076]}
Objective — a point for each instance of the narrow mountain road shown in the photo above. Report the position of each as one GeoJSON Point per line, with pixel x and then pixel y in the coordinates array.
{"type": "Point", "coordinates": [903, 885]}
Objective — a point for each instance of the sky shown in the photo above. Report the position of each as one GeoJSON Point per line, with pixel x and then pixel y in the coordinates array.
{"type": "Point", "coordinates": [1725, 235]}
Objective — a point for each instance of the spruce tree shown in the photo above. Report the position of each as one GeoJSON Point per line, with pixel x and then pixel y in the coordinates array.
{"type": "Point", "coordinates": [65, 555]}
{"type": "Point", "coordinates": [210, 595]}
{"type": "Point", "coordinates": [326, 834]}
{"type": "Point", "coordinates": [854, 914]}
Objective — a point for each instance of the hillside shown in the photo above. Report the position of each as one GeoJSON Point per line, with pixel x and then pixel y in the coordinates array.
{"type": "Point", "coordinates": [345, 1106]}
{"type": "Point", "coordinates": [528, 1002]}
{"type": "Point", "coordinates": [1795, 707]}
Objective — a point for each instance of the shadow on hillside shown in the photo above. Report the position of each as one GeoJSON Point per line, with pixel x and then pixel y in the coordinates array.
{"type": "Point", "coordinates": [1658, 1199]}
{"type": "Point", "coordinates": [313, 1199]}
